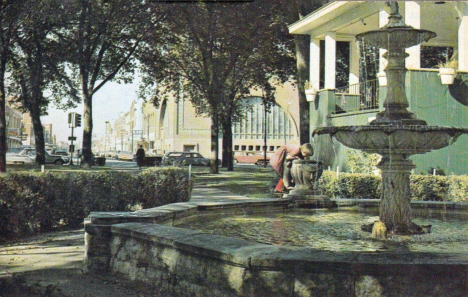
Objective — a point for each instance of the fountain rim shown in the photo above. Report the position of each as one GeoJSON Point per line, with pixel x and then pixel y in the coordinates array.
{"type": "Point", "coordinates": [167, 216]}
{"type": "Point", "coordinates": [396, 29]}
{"type": "Point", "coordinates": [390, 129]}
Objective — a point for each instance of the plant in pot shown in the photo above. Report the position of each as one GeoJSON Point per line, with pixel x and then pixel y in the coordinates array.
{"type": "Point", "coordinates": [310, 91]}
{"type": "Point", "coordinates": [448, 70]}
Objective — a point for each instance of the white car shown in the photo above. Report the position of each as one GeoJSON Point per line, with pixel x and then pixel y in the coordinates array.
{"type": "Point", "coordinates": [13, 158]}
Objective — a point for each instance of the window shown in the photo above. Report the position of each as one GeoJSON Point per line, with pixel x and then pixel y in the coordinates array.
{"type": "Point", "coordinates": [257, 147]}
{"type": "Point", "coordinates": [236, 147]}
{"type": "Point", "coordinates": [250, 147]}
{"type": "Point", "coordinates": [272, 148]}
{"type": "Point", "coordinates": [244, 147]}
{"type": "Point", "coordinates": [432, 56]}
{"type": "Point", "coordinates": [189, 148]}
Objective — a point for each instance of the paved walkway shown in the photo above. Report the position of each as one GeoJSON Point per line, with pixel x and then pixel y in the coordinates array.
{"type": "Point", "coordinates": [55, 260]}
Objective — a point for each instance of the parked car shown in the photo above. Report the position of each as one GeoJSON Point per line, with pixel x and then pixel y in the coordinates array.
{"type": "Point", "coordinates": [110, 154]}
{"type": "Point", "coordinates": [124, 155]}
{"type": "Point", "coordinates": [256, 158]}
{"type": "Point", "coordinates": [49, 158]}
{"type": "Point", "coordinates": [61, 152]}
{"type": "Point", "coordinates": [185, 158]}
{"type": "Point", "coordinates": [154, 153]}
{"type": "Point", "coordinates": [13, 157]}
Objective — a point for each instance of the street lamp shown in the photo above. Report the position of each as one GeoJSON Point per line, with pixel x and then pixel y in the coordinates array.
{"type": "Point", "coordinates": [105, 137]}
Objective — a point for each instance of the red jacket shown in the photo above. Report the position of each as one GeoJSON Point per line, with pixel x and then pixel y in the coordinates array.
{"type": "Point", "coordinates": [277, 160]}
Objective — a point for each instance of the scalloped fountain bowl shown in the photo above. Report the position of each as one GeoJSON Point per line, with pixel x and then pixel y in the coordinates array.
{"type": "Point", "coordinates": [393, 139]}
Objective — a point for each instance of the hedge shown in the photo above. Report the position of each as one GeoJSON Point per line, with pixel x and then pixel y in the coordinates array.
{"type": "Point", "coordinates": [349, 185]}
{"type": "Point", "coordinates": [423, 187]}
{"type": "Point", "coordinates": [35, 202]}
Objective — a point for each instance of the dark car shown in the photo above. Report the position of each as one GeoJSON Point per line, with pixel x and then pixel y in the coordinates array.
{"type": "Point", "coordinates": [49, 158]}
{"type": "Point", "coordinates": [184, 159]}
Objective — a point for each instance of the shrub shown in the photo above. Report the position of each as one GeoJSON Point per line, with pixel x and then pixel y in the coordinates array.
{"type": "Point", "coordinates": [423, 187]}
{"type": "Point", "coordinates": [429, 187]}
{"type": "Point", "coordinates": [35, 202]}
{"type": "Point", "coordinates": [349, 185]}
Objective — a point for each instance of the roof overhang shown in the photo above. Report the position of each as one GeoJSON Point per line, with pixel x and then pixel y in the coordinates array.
{"type": "Point", "coordinates": [322, 16]}
{"type": "Point", "coordinates": [349, 18]}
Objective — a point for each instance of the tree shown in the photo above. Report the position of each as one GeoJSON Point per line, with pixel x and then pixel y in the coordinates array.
{"type": "Point", "coordinates": [38, 65]}
{"type": "Point", "coordinates": [11, 14]}
{"type": "Point", "coordinates": [217, 52]}
{"type": "Point", "coordinates": [292, 12]}
{"type": "Point", "coordinates": [102, 38]}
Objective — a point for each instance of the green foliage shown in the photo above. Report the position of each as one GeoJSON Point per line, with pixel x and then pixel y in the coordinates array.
{"type": "Point", "coordinates": [439, 188]}
{"type": "Point", "coordinates": [457, 188]}
{"type": "Point", "coordinates": [349, 185]}
{"type": "Point", "coordinates": [35, 202]}
{"type": "Point", "coordinates": [361, 162]}
{"type": "Point", "coordinates": [423, 187]}
{"type": "Point", "coordinates": [428, 188]}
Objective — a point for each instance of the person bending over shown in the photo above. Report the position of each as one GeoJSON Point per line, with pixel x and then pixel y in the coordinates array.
{"type": "Point", "coordinates": [282, 159]}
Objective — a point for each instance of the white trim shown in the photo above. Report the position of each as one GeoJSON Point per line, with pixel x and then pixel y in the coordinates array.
{"type": "Point", "coordinates": [330, 60]}
{"type": "Point", "coordinates": [318, 17]}
{"type": "Point", "coordinates": [413, 18]}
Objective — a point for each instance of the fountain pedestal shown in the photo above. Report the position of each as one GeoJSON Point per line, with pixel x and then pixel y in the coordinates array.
{"type": "Point", "coordinates": [395, 207]}
{"type": "Point", "coordinates": [305, 174]}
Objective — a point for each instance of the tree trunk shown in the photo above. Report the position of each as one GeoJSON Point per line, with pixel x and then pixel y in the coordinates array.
{"type": "Point", "coordinates": [214, 142]}
{"type": "Point", "coordinates": [38, 135]}
{"type": "Point", "coordinates": [3, 144]}
{"type": "Point", "coordinates": [87, 131]}
{"type": "Point", "coordinates": [227, 144]}
{"type": "Point", "coordinates": [302, 43]}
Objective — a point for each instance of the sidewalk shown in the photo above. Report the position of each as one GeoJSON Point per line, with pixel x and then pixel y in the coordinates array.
{"type": "Point", "coordinates": [54, 261]}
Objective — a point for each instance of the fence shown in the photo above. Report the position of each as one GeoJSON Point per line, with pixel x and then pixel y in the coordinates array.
{"type": "Point", "coordinates": [357, 97]}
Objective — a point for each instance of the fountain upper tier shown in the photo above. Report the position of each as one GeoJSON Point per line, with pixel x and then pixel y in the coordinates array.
{"type": "Point", "coordinates": [391, 139]}
{"type": "Point", "coordinates": [396, 34]}
{"type": "Point", "coordinates": [395, 37]}
{"type": "Point", "coordinates": [392, 38]}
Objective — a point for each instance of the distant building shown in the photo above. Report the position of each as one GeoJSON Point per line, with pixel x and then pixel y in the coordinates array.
{"type": "Point", "coordinates": [14, 126]}
{"type": "Point", "coordinates": [175, 125]}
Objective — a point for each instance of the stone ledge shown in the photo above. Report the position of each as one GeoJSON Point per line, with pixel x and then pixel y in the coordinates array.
{"type": "Point", "coordinates": [258, 256]}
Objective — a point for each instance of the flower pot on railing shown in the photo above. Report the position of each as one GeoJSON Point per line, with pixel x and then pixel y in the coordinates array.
{"type": "Point", "coordinates": [310, 95]}
{"type": "Point", "coordinates": [447, 75]}
{"type": "Point", "coordinates": [382, 76]}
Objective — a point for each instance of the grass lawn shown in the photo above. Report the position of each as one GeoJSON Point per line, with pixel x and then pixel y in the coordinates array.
{"type": "Point", "coordinates": [252, 181]}
{"type": "Point", "coordinates": [54, 168]}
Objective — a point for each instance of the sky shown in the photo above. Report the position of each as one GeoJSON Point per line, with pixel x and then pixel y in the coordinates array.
{"type": "Point", "coordinates": [108, 103]}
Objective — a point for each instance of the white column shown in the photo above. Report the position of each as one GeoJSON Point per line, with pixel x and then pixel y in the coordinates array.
{"type": "Point", "coordinates": [413, 18]}
{"type": "Point", "coordinates": [383, 20]}
{"type": "Point", "coordinates": [353, 62]}
{"type": "Point", "coordinates": [463, 37]}
{"type": "Point", "coordinates": [330, 60]}
{"type": "Point", "coordinates": [314, 75]}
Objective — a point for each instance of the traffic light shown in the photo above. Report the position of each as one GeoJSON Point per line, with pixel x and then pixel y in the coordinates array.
{"type": "Point", "coordinates": [70, 118]}
{"type": "Point", "coordinates": [77, 120]}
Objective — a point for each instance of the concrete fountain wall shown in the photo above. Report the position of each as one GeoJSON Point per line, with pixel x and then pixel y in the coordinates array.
{"type": "Point", "coordinates": [143, 246]}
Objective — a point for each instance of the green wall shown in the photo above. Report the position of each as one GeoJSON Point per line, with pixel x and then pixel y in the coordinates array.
{"type": "Point", "coordinates": [428, 98]}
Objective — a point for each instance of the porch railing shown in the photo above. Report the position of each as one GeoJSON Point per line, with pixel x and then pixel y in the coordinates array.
{"type": "Point", "coordinates": [357, 97]}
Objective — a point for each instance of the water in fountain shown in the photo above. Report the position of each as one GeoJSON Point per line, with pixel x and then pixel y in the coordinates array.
{"type": "Point", "coordinates": [396, 133]}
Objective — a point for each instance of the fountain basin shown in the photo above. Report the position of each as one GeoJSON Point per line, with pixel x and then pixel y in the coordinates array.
{"type": "Point", "coordinates": [394, 139]}
{"type": "Point", "coordinates": [145, 246]}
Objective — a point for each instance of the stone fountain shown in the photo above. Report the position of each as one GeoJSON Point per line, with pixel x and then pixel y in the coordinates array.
{"type": "Point", "coordinates": [306, 174]}
{"type": "Point", "coordinates": [396, 133]}
{"type": "Point", "coordinates": [151, 246]}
